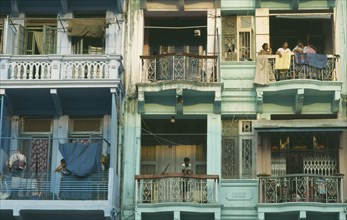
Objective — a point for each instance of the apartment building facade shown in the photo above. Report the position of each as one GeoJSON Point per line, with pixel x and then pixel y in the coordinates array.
{"type": "Point", "coordinates": [189, 69]}
{"type": "Point", "coordinates": [269, 150]}
{"type": "Point", "coordinates": [61, 93]}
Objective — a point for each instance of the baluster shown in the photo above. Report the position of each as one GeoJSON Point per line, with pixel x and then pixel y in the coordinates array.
{"type": "Point", "coordinates": [13, 70]}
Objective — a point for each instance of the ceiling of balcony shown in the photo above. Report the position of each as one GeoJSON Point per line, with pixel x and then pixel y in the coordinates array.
{"type": "Point", "coordinates": [56, 6]}
{"type": "Point", "coordinates": [40, 102]}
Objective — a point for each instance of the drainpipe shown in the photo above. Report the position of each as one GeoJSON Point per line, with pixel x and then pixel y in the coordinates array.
{"type": "Point", "coordinates": [114, 148]}
{"type": "Point", "coordinates": [214, 42]}
{"type": "Point", "coordinates": [1, 121]}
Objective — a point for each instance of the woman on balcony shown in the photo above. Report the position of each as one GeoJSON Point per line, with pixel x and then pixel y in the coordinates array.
{"type": "Point", "coordinates": [264, 72]}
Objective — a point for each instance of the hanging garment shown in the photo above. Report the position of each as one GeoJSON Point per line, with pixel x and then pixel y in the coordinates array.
{"type": "Point", "coordinates": [39, 155]}
{"type": "Point", "coordinates": [317, 60]}
{"type": "Point", "coordinates": [81, 159]}
{"type": "Point", "coordinates": [264, 72]}
{"type": "Point", "coordinates": [283, 63]}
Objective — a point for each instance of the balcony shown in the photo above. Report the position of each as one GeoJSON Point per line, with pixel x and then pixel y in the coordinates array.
{"type": "Point", "coordinates": [51, 186]}
{"type": "Point", "coordinates": [188, 67]}
{"type": "Point", "coordinates": [301, 188]}
{"type": "Point", "coordinates": [301, 84]}
{"type": "Point", "coordinates": [55, 67]}
{"type": "Point", "coordinates": [304, 71]}
{"type": "Point", "coordinates": [175, 188]}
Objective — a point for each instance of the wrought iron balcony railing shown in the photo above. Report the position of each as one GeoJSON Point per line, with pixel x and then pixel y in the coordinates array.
{"type": "Point", "coordinates": [301, 188]}
{"type": "Point", "coordinates": [304, 71]}
{"type": "Point", "coordinates": [179, 67]}
{"type": "Point", "coordinates": [26, 185]}
{"type": "Point", "coordinates": [55, 67]}
{"type": "Point", "coordinates": [176, 188]}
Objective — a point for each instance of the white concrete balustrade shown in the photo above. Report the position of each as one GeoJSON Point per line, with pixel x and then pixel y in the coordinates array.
{"type": "Point", "coordinates": [72, 67]}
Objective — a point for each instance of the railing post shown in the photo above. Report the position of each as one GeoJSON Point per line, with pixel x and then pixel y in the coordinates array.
{"type": "Point", "coordinates": [341, 190]}
{"type": "Point", "coordinates": [110, 184]}
{"type": "Point", "coordinates": [307, 189]}
{"type": "Point", "coordinates": [136, 191]}
{"type": "Point", "coordinates": [113, 69]}
{"type": "Point", "coordinates": [4, 64]}
{"type": "Point", "coordinates": [56, 72]}
{"type": "Point", "coordinates": [216, 181]}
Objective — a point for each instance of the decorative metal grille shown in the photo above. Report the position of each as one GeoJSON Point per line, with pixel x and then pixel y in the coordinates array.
{"type": "Point", "coordinates": [177, 189]}
{"type": "Point", "coordinates": [230, 158]}
{"type": "Point", "coordinates": [163, 73]}
{"type": "Point", "coordinates": [303, 71]}
{"type": "Point", "coordinates": [321, 163]}
{"type": "Point", "coordinates": [246, 127]}
{"type": "Point", "coordinates": [180, 67]}
{"type": "Point", "coordinates": [278, 166]}
{"type": "Point", "coordinates": [229, 32]}
{"type": "Point", "coordinates": [300, 188]}
{"type": "Point", "coordinates": [247, 157]}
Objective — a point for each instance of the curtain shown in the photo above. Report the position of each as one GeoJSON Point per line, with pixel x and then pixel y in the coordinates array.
{"type": "Point", "coordinates": [86, 28]}
{"type": "Point", "coordinates": [39, 41]}
{"type": "Point", "coordinates": [39, 155]}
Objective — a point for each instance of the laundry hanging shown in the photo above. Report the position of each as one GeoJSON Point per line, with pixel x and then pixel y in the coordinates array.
{"type": "Point", "coordinates": [81, 159]}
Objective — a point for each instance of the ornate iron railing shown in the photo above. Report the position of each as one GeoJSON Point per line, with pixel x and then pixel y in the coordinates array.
{"type": "Point", "coordinates": [179, 67]}
{"type": "Point", "coordinates": [71, 67]}
{"type": "Point", "coordinates": [301, 188]}
{"type": "Point", "coordinates": [52, 186]}
{"type": "Point", "coordinates": [176, 188]}
{"type": "Point", "coordinates": [304, 71]}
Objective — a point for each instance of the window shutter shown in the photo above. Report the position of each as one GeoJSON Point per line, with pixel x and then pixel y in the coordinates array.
{"type": "Point", "coordinates": [49, 40]}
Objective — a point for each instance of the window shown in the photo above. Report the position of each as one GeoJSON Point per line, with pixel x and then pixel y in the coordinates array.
{"type": "Point", "coordinates": [39, 36]}
{"type": "Point", "coordinates": [179, 38]}
{"type": "Point", "coordinates": [87, 34]}
{"type": "Point", "coordinates": [35, 144]}
{"type": "Point", "coordinates": [238, 152]}
{"type": "Point", "coordinates": [238, 38]}
{"type": "Point", "coordinates": [87, 45]}
{"type": "Point", "coordinates": [317, 32]}
{"type": "Point", "coordinates": [304, 152]}
{"type": "Point", "coordinates": [85, 130]}
{"type": "Point", "coordinates": [36, 125]}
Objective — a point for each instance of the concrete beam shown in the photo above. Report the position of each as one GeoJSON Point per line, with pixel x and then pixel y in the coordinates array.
{"type": "Point", "coordinates": [260, 101]}
{"type": "Point", "coordinates": [299, 101]}
{"type": "Point", "coordinates": [141, 102]}
{"type": "Point", "coordinates": [57, 102]}
{"type": "Point", "coordinates": [217, 105]}
{"type": "Point", "coordinates": [179, 101]}
{"type": "Point", "coordinates": [336, 102]}
{"type": "Point", "coordinates": [14, 7]}
{"type": "Point", "coordinates": [64, 6]}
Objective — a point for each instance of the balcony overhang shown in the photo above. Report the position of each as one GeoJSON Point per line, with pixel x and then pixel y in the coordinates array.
{"type": "Point", "coordinates": [337, 125]}
{"type": "Point", "coordinates": [49, 208]}
{"type": "Point", "coordinates": [57, 101]}
{"type": "Point", "coordinates": [56, 6]}
{"type": "Point", "coordinates": [179, 94]}
{"type": "Point", "coordinates": [301, 209]}
{"type": "Point", "coordinates": [300, 92]}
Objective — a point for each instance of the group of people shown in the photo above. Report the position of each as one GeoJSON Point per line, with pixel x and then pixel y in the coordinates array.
{"type": "Point", "coordinates": [299, 48]}
{"type": "Point", "coordinates": [264, 71]}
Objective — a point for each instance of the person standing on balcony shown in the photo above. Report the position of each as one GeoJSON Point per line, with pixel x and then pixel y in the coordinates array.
{"type": "Point", "coordinates": [282, 62]}
{"type": "Point", "coordinates": [264, 71]}
{"type": "Point", "coordinates": [266, 50]}
{"type": "Point", "coordinates": [186, 166]}
{"type": "Point", "coordinates": [186, 170]}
